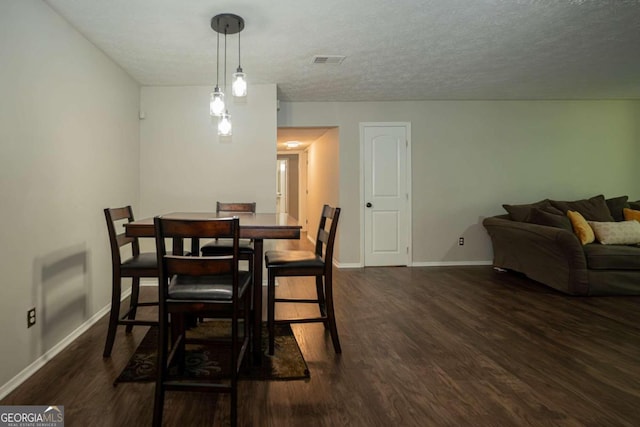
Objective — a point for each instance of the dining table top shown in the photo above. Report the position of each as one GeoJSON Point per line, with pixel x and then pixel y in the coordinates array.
{"type": "Point", "coordinates": [252, 225]}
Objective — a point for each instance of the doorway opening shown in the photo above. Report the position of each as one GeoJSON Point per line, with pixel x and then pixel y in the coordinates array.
{"type": "Point", "coordinates": [307, 173]}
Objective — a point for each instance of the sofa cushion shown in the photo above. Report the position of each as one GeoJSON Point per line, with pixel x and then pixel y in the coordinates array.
{"type": "Point", "coordinates": [541, 217]}
{"type": "Point", "coordinates": [521, 213]}
{"type": "Point", "coordinates": [603, 257]}
{"type": "Point", "coordinates": [631, 214]}
{"type": "Point", "coordinates": [635, 205]}
{"type": "Point", "coordinates": [593, 209]}
{"type": "Point", "coordinates": [616, 205]}
{"type": "Point", "coordinates": [616, 233]}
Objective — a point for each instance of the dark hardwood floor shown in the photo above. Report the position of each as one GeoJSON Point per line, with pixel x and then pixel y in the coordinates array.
{"type": "Point", "coordinates": [454, 346]}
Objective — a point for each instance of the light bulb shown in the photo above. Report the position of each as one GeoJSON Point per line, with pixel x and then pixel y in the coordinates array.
{"type": "Point", "coordinates": [224, 124]}
{"type": "Point", "coordinates": [239, 86]}
{"type": "Point", "coordinates": [216, 104]}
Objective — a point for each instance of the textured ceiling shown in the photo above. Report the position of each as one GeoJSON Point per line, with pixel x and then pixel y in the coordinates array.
{"type": "Point", "coordinates": [395, 50]}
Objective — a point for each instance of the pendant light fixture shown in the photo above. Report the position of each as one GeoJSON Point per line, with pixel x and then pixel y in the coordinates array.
{"type": "Point", "coordinates": [239, 85]}
{"type": "Point", "coordinates": [224, 124]}
{"type": "Point", "coordinates": [226, 23]}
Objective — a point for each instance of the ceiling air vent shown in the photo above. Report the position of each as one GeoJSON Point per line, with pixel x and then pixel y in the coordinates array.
{"type": "Point", "coordinates": [328, 59]}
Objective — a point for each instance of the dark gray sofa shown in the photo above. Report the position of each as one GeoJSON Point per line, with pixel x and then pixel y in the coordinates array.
{"type": "Point", "coordinates": [554, 256]}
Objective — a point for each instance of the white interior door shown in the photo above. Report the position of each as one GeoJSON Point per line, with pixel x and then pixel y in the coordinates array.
{"type": "Point", "coordinates": [386, 201]}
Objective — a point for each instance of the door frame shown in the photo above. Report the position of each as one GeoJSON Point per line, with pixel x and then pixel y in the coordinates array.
{"type": "Point", "coordinates": [407, 126]}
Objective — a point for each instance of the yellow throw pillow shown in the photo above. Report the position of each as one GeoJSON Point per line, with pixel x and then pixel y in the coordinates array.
{"type": "Point", "coordinates": [631, 214]}
{"type": "Point", "coordinates": [581, 227]}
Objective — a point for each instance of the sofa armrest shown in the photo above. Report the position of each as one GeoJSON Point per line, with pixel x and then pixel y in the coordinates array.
{"type": "Point", "coordinates": [550, 255]}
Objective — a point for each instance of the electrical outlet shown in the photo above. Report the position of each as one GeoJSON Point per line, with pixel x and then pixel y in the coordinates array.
{"type": "Point", "coordinates": [31, 317]}
{"type": "Point", "coordinates": [461, 241]}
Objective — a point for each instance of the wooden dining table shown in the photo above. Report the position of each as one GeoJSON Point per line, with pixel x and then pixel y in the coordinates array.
{"type": "Point", "coordinates": [255, 226]}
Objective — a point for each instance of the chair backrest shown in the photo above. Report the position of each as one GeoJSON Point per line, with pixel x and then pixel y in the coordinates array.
{"type": "Point", "coordinates": [117, 240]}
{"type": "Point", "coordinates": [326, 238]}
{"type": "Point", "coordinates": [236, 207]}
{"type": "Point", "coordinates": [194, 265]}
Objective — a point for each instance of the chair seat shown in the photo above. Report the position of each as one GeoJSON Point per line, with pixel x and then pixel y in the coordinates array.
{"type": "Point", "coordinates": [206, 288]}
{"type": "Point", "coordinates": [293, 259]}
{"type": "Point", "coordinates": [143, 260]}
{"type": "Point", "coordinates": [222, 247]}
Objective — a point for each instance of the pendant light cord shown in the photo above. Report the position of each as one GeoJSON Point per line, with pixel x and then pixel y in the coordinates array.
{"type": "Point", "coordinates": [225, 58]}
{"type": "Point", "coordinates": [218, 56]}
{"type": "Point", "coordinates": [239, 65]}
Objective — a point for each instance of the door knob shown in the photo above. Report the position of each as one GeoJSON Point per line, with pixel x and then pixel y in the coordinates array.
{"type": "Point", "coordinates": [369, 204]}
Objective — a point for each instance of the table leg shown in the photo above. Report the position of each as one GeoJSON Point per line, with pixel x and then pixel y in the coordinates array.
{"type": "Point", "coordinates": [257, 300]}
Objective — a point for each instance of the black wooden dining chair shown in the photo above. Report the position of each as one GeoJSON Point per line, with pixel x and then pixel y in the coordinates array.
{"type": "Point", "coordinates": [220, 247]}
{"type": "Point", "coordinates": [200, 286]}
{"type": "Point", "coordinates": [316, 263]}
{"type": "Point", "coordinates": [135, 265]}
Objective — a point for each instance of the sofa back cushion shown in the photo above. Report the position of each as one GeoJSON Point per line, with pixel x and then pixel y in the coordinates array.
{"type": "Point", "coordinates": [593, 209]}
{"type": "Point", "coordinates": [635, 205]}
{"type": "Point", "coordinates": [616, 205]}
{"type": "Point", "coordinates": [541, 217]}
{"type": "Point", "coordinates": [521, 213]}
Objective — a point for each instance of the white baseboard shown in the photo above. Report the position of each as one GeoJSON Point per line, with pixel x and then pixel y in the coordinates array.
{"type": "Point", "coordinates": [450, 263]}
{"type": "Point", "coordinates": [27, 372]}
{"type": "Point", "coordinates": [419, 264]}
{"type": "Point", "coordinates": [347, 265]}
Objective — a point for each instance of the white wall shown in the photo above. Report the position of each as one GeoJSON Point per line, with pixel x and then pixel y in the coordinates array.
{"type": "Point", "coordinates": [186, 166]}
{"type": "Point", "coordinates": [68, 149]}
{"type": "Point", "coordinates": [470, 157]}
{"type": "Point", "coordinates": [323, 180]}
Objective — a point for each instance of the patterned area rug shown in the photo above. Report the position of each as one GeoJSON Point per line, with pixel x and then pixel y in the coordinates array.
{"type": "Point", "coordinates": [204, 361]}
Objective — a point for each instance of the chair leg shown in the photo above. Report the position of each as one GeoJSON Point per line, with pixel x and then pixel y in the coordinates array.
{"type": "Point", "coordinates": [331, 317]}
{"type": "Point", "coordinates": [234, 369]}
{"type": "Point", "coordinates": [234, 402]}
{"type": "Point", "coordinates": [271, 308]}
{"type": "Point", "coordinates": [158, 401]}
{"type": "Point", "coordinates": [133, 302]}
{"type": "Point", "coordinates": [321, 298]}
{"type": "Point", "coordinates": [114, 315]}
{"type": "Point", "coordinates": [158, 406]}
{"type": "Point", "coordinates": [247, 315]}
{"type": "Point", "coordinates": [178, 328]}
